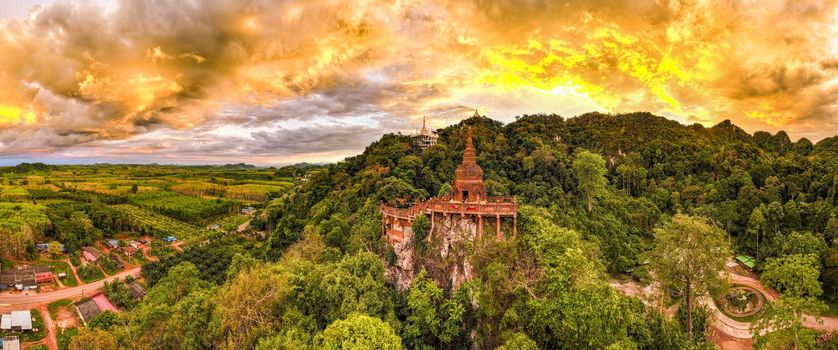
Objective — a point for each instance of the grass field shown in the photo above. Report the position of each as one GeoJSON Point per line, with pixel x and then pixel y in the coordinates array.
{"type": "Point", "coordinates": [54, 306]}
{"type": "Point", "coordinates": [64, 337]}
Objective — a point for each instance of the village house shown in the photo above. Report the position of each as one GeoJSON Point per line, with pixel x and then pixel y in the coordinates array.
{"type": "Point", "coordinates": [214, 227]}
{"type": "Point", "coordinates": [135, 244]}
{"type": "Point", "coordinates": [11, 342]}
{"type": "Point", "coordinates": [129, 251]}
{"type": "Point", "coordinates": [25, 277]}
{"type": "Point", "coordinates": [145, 240]}
{"type": "Point", "coordinates": [112, 243]}
{"type": "Point", "coordinates": [87, 309]}
{"type": "Point", "coordinates": [16, 321]}
{"type": "Point", "coordinates": [43, 274]}
{"type": "Point", "coordinates": [137, 291]}
{"type": "Point", "coordinates": [91, 254]}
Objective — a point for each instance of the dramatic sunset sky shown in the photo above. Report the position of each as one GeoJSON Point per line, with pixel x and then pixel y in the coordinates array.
{"type": "Point", "coordinates": [277, 82]}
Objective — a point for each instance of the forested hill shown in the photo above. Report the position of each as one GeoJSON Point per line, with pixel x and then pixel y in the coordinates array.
{"type": "Point", "coordinates": [655, 166]}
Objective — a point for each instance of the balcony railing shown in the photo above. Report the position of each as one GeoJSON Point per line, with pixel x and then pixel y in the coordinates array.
{"type": "Point", "coordinates": [502, 206]}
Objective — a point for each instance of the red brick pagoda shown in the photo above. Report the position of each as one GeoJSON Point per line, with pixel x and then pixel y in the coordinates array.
{"type": "Point", "coordinates": [469, 201]}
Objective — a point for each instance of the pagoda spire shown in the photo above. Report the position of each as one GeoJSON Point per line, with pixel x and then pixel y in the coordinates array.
{"type": "Point", "coordinates": [476, 115]}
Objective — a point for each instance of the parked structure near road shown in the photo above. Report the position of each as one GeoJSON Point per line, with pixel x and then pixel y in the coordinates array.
{"type": "Point", "coordinates": [87, 309]}
{"type": "Point", "coordinates": [17, 321]}
{"type": "Point", "coordinates": [10, 343]}
{"type": "Point", "coordinates": [25, 277]}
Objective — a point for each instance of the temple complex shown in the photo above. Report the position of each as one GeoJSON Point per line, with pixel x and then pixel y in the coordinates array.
{"type": "Point", "coordinates": [426, 138]}
{"type": "Point", "coordinates": [468, 206]}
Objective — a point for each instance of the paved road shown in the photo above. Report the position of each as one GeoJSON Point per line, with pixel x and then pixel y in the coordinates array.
{"type": "Point", "coordinates": [69, 293]}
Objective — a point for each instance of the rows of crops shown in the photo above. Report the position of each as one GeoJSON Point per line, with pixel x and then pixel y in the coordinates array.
{"type": "Point", "coordinates": [253, 191]}
{"type": "Point", "coordinates": [159, 225]}
{"type": "Point", "coordinates": [111, 188]}
{"type": "Point", "coordinates": [182, 207]}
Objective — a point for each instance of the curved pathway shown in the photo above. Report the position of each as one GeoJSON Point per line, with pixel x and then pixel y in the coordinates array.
{"type": "Point", "coordinates": [725, 324]}
{"type": "Point", "coordinates": [69, 293]}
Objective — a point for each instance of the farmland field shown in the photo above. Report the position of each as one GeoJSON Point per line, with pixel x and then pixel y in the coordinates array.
{"type": "Point", "coordinates": [160, 225]}
{"type": "Point", "coordinates": [78, 206]}
{"type": "Point", "coordinates": [182, 207]}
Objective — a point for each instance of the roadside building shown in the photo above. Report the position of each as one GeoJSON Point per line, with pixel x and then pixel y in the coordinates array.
{"type": "Point", "coordinates": [16, 321]}
{"type": "Point", "coordinates": [91, 254]}
{"type": "Point", "coordinates": [170, 239]}
{"type": "Point", "coordinates": [137, 291]}
{"type": "Point", "coordinates": [25, 277]}
{"type": "Point", "coordinates": [144, 240]}
{"type": "Point", "coordinates": [43, 274]}
{"type": "Point", "coordinates": [135, 244]}
{"type": "Point", "coordinates": [10, 343]}
{"type": "Point", "coordinates": [87, 309]}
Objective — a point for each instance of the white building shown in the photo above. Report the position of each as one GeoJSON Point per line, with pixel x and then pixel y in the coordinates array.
{"type": "Point", "coordinates": [425, 138]}
{"type": "Point", "coordinates": [17, 321]}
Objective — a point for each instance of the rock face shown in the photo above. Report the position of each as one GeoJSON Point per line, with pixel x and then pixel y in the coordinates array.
{"type": "Point", "coordinates": [403, 271]}
{"type": "Point", "coordinates": [447, 254]}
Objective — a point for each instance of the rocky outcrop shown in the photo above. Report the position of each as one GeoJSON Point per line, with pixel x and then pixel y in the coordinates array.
{"type": "Point", "coordinates": [446, 258]}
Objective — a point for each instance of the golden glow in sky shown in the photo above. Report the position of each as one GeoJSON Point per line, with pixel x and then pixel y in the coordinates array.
{"type": "Point", "coordinates": [298, 80]}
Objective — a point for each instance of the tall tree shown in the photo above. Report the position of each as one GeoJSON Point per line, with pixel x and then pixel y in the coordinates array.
{"type": "Point", "coordinates": [688, 255]}
{"type": "Point", "coordinates": [359, 332]}
{"type": "Point", "coordinates": [795, 275]}
{"type": "Point", "coordinates": [590, 172]}
{"type": "Point", "coordinates": [93, 339]}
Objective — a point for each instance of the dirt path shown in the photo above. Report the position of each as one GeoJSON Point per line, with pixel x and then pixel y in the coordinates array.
{"type": "Point", "coordinates": [75, 273]}
{"type": "Point", "coordinates": [52, 335]}
{"type": "Point", "coordinates": [144, 249]}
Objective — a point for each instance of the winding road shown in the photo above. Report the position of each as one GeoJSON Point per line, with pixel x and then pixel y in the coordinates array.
{"type": "Point", "coordinates": [69, 293]}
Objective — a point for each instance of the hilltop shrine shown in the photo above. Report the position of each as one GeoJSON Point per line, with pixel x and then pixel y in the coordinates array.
{"type": "Point", "coordinates": [468, 203]}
